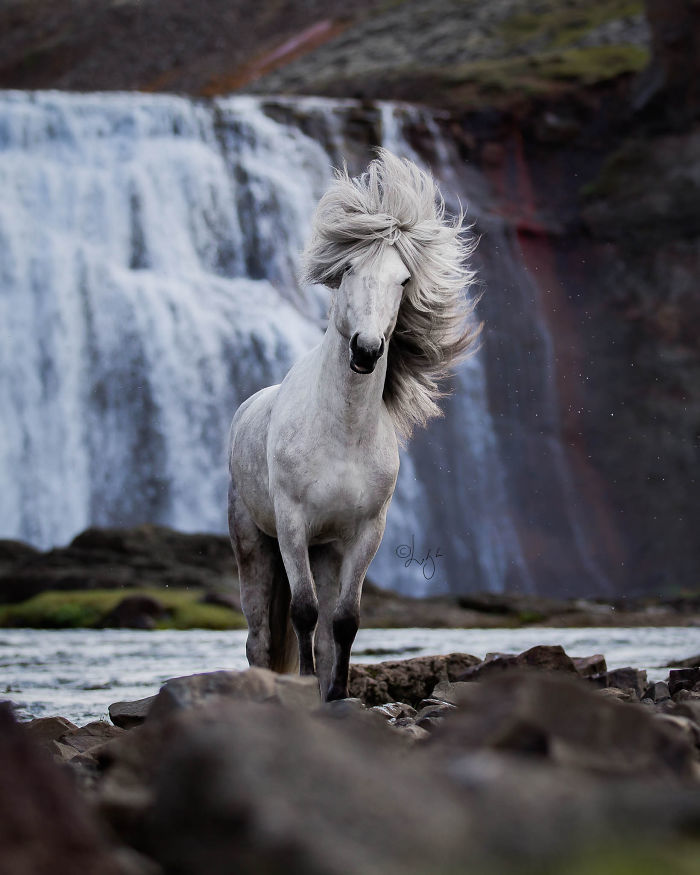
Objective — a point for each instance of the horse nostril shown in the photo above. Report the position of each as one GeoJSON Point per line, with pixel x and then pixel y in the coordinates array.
{"type": "Point", "coordinates": [381, 348]}
{"type": "Point", "coordinates": [353, 342]}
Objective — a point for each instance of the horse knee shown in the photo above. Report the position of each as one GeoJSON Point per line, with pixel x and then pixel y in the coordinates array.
{"type": "Point", "coordinates": [304, 613]}
{"type": "Point", "coordinates": [345, 626]}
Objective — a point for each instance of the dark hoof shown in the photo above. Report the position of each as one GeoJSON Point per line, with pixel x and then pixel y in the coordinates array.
{"type": "Point", "coordinates": [335, 693]}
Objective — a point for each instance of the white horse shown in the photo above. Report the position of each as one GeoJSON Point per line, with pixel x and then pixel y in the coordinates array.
{"type": "Point", "coordinates": [314, 460]}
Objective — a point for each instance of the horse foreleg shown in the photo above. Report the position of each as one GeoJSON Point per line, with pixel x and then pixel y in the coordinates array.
{"type": "Point", "coordinates": [346, 617]}
{"type": "Point", "coordinates": [293, 544]}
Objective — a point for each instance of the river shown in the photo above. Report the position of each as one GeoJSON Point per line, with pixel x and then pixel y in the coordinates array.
{"type": "Point", "coordinates": [78, 673]}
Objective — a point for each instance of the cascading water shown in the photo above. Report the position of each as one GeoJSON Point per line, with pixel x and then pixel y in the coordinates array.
{"type": "Point", "coordinates": [149, 252]}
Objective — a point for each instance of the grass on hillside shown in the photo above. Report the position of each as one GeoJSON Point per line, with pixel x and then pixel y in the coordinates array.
{"type": "Point", "coordinates": [75, 609]}
{"type": "Point", "coordinates": [558, 25]}
{"type": "Point", "coordinates": [537, 74]}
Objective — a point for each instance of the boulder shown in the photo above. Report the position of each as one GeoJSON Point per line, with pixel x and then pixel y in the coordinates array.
{"type": "Point", "coordinates": [85, 740]}
{"type": "Point", "coordinates": [657, 692]}
{"type": "Point", "coordinates": [565, 722]}
{"type": "Point", "coordinates": [628, 679]}
{"type": "Point", "coordinates": [45, 730]}
{"type": "Point", "coordinates": [239, 786]}
{"type": "Point", "coordinates": [136, 612]}
{"type": "Point", "coordinates": [126, 715]}
{"type": "Point", "coordinates": [251, 685]}
{"type": "Point", "coordinates": [540, 658]}
{"type": "Point", "coordinates": [45, 825]}
{"type": "Point", "coordinates": [407, 680]}
{"type": "Point", "coordinates": [688, 662]}
{"type": "Point", "coordinates": [683, 679]}
{"type": "Point", "coordinates": [588, 666]}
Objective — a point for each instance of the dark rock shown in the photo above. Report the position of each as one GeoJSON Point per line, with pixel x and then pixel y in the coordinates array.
{"type": "Point", "coordinates": [628, 679]}
{"type": "Point", "coordinates": [669, 88]}
{"type": "Point", "coordinates": [251, 685]}
{"type": "Point", "coordinates": [244, 787]}
{"type": "Point", "coordinates": [136, 612]}
{"type": "Point", "coordinates": [410, 732]}
{"type": "Point", "coordinates": [408, 680]}
{"type": "Point", "coordinates": [683, 679]}
{"type": "Point", "coordinates": [452, 692]}
{"type": "Point", "coordinates": [45, 730]}
{"type": "Point", "coordinates": [551, 716]}
{"type": "Point", "coordinates": [657, 692]}
{"type": "Point", "coordinates": [147, 555]}
{"type": "Point", "coordinates": [589, 666]}
{"type": "Point", "coordinates": [429, 721]}
{"type": "Point", "coordinates": [129, 714]}
{"type": "Point", "coordinates": [628, 695]}
{"type": "Point", "coordinates": [599, 681]}
{"type": "Point", "coordinates": [433, 710]}
{"type": "Point", "coordinates": [688, 662]}
{"type": "Point", "coordinates": [341, 707]}
{"type": "Point", "coordinates": [45, 826]}
{"type": "Point", "coordinates": [85, 739]}
{"type": "Point", "coordinates": [540, 658]}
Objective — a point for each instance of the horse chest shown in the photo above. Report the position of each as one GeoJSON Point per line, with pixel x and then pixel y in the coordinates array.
{"type": "Point", "coordinates": [344, 492]}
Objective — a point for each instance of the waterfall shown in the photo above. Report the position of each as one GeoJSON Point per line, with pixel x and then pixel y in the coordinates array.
{"type": "Point", "coordinates": [149, 255]}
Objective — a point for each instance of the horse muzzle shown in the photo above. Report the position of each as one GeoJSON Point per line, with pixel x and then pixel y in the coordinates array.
{"type": "Point", "coordinates": [365, 353]}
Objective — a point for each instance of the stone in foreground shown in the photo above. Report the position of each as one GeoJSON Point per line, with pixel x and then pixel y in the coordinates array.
{"type": "Point", "coordinates": [251, 685]}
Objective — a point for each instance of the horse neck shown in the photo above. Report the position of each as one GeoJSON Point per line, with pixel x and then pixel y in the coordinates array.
{"type": "Point", "coordinates": [351, 400]}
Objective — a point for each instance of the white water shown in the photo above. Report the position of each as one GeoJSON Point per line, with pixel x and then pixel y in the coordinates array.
{"type": "Point", "coordinates": [149, 250]}
{"type": "Point", "coordinates": [78, 673]}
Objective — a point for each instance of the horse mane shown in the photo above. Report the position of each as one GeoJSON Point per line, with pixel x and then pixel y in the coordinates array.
{"type": "Point", "coordinates": [395, 202]}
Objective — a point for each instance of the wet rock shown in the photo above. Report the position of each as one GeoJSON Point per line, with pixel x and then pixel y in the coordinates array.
{"type": "Point", "coordinates": [683, 679]}
{"type": "Point", "coordinates": [392, 710]}
{"type": "Point", "coordinates": [565, 722]}
{"type": "Point", "coordinates": [45, 730]}
{"type": "Point", "coordinates": [251, 685]}
{"type": "Point", "coordinates": [136, 612]}
{"type": "Point", "coordinates": [628, 679]}
{"type": "Point", "coordinates": [129, 714]}
{"type": "Point", "coordinates": [540, 658]}
{"type": "Point", "coordinates": [45, 826]}
{"type": "Point", "coordinates": [408, 680]}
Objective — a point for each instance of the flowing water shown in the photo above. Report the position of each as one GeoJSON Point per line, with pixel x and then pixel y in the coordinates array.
{"type": "Point", "coordinates": [78, 673]}
{"type": "Point", "coordinates": [149, 254]}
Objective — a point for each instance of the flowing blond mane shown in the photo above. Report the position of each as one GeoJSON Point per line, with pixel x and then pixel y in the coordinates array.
{"type": "Point", "coordinates": [396, 203]}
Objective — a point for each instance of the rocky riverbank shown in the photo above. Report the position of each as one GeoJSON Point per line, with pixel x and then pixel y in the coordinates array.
{"type": "Point", "coordinates": [154, 577]}
{"type": "Point", "coordinates": [536, 762]}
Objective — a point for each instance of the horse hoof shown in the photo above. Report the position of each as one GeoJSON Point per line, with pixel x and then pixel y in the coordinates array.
{"type": "Point", "coordinates": [335, 693]}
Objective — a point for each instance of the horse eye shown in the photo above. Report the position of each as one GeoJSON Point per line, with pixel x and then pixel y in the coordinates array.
{"type": "Point", "coordinates": [405, 282]}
